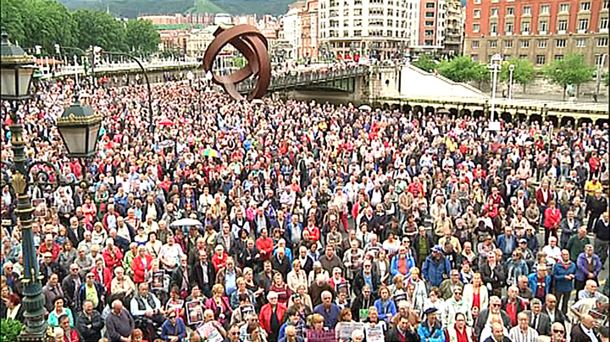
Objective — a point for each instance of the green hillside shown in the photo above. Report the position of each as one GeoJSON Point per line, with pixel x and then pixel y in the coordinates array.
{"type": "Point", "coordinates": [134, 8]}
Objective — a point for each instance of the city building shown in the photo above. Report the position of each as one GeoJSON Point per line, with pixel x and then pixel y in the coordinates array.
{"type": "Point", "coordinates": [173, 40]}
{"type": "Point", "coordinates": [539, 30]}
{"type": "Point", "coordinates": [291, 28]}
{"type": "Point", "coordinates": [377, 28]}
{"type": "Point", "coordinates": [309, 30]}
{"type": "Point", "coordinates": [454, 28]}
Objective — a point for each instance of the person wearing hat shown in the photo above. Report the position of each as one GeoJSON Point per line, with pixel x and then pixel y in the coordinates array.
{"type": "Point", "coordinates": [431, 329]}
{"type": "Point", "coordinates": [436, 267]}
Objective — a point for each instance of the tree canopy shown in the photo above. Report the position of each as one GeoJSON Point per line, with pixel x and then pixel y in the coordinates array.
{"type": "Point", "coordinates": [463, 69]}
{"type": "Point", "coordinates": [523, 72]}
{"type": "Point", "coordinates": [48, 22]}
{"type": "Point", "coordinates": [425, 62]}
{"type": "Point", "coordinates": [570, 70]}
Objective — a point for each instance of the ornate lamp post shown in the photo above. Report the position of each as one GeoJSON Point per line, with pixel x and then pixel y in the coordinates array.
{"type": "Point", "coordinates": [16, 70]}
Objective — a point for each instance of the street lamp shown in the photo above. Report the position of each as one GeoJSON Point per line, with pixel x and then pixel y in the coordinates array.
{"type": "Point", "coordinates": [511, 69]}
{"type": "Point", "coordinates": [495, 66]}
{"type": "Point", "coordinates": [16, 69]}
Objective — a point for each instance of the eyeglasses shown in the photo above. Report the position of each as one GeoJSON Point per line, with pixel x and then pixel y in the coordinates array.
{"type": "Point", "coordinates": [558, 331]}
{"type": "Point", "coordinates": [496, 305]}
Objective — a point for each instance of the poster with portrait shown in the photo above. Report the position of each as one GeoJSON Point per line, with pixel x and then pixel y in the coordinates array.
{"type": "Point", "coordinates": [40, 207]}
{"type": "Point", "coordinates": [209, 332]}
{"type": "Point", "coordinates": [157, 281]}
{"type": "Point", "coordinates": [194, 312]}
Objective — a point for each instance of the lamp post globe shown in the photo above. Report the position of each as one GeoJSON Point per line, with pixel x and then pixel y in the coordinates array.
{"type": "Point", "coordinates": [79, 127]}
{"type": "Point", "coordinates": [16, 71]}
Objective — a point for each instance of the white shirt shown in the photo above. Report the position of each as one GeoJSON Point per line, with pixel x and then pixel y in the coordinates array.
{"type": "Point", "coordinates": [517, 335]}
{"type": "Point", "coordinates": [589, 332]}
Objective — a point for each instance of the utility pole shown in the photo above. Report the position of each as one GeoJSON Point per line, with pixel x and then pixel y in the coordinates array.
{"type": "Point", "coordinates": [598, 80]}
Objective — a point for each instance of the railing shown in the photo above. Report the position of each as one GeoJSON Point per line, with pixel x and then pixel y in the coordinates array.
{"type": "Point", "coordinates": [294, 79]}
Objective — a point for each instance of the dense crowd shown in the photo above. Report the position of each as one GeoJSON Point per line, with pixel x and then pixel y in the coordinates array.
{"type": "Point", "coordinates": [292, 221]}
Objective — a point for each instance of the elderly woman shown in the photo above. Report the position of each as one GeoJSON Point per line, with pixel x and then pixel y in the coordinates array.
{"type": "Point", "coordinates": [219, 304]}
{"type": "Point", "coordinates": [297, 276]}
{"type": "Point", "coordinates": [58, 311]}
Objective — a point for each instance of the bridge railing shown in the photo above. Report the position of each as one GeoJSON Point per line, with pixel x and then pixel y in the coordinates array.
{"type": "Point", "coordinates": [294, 78]}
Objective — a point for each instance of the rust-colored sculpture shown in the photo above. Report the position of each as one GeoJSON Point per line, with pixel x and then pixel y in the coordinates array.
{"type": "Point", "coordinates": [253, 45]}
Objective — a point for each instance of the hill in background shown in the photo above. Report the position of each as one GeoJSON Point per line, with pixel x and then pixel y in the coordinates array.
{"type": "Point", "coordinates": [134, 8]}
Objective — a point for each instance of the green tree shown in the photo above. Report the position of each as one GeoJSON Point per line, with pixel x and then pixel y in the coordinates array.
{"type": "Point", "coordinates": [11, 19]}
{"type": "Point", "coordinates": [523, 74]}
{"type": "Point", "coordinates": [45, 23]}
{"type": "Point", "coordinates": [463, 69]}
{"type": "Point", "coordinates": [607, 79]}
{"type": "Point", "coordinates": [142, 37]}
{"type": "Point", "coordinates": [572, 69]}
{"type": "Point", "coordinates": [426, 63]}
{"type": "Point", "coordinates": [99, 29]}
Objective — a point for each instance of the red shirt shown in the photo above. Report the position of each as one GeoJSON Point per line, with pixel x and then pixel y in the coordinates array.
{"type": "Point", "coordinates": [511, 310]}
{"type": "Point", "coordinates": [476, 300]}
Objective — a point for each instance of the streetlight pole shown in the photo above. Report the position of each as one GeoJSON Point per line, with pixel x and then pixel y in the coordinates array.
{"type": "Point", "coordinates": [58, 49]}
{"type": "Point", "coordinates": [598, 79]}
{"type": "Point", "coordinates": [511, 69]}
{"type": "Point", "coordinates": [495, 66]}
{"type": "Point", "coordinates": [76, 124]}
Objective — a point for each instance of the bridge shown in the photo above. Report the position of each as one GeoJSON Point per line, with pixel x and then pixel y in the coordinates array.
{"type": "Point", "coordinates": [397, 87]}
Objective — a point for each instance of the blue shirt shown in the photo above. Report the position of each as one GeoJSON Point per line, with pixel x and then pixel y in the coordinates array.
{"type": "Point", "coordinates": [168, 329]}
{"type": "Point", "coordinates": [331, 316]}
{"type": "Point", "coordinates": [230, 284]}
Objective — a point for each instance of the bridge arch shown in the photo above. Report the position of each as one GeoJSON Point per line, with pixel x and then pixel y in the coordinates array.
{"type": "Point", "coordinates": [418, 109]}
{"type": "Point", "coordinates": [602, 121]}
{"type": "Point", "coordinates": [535, 118]}
{"type": "Point", "coordinates": [478, 113]}
{"type": "Point", "coordinates": [454, 113]}
{"type": "Point", "coordinates": [553, 119]}
{"type": "Point", "coordinates": [429, 109]}
{"type": "Point", "coordinates": [567, 121]}
{"type": "Point", "coordinates": [465, 112]}
{"type": "Point", "coordinates": [506, 116]}
{"type": "Point", "coordinates": [582, 121]}
{"type": "Point", "coordinates": [406, 108]}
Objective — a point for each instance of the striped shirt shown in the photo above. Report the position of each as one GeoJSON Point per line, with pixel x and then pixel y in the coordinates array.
{"type": "Point", "coordinates": [517, 335]}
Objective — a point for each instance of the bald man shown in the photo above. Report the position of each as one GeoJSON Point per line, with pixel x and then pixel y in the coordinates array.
{"type": "Point", "coordinates": [585, 331]}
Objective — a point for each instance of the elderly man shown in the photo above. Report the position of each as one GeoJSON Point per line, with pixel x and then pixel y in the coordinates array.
{"type": "Point", "coordinates": [540, 282]}
{"type": "Point", "coordinates": [588, 267]}
{"type": "Point", "coordinates": [523, 332]}
{"type": "Point", "coordinates": [513, 305]}
{"type": "Point", "coordinates": [550, 308]}
{"type": "Point", "coordinates": [328, 310]}
{"type": "Point", "coordinates": [119, 323]}
{"type": "Point", "coordinates": [453, 306]}
{"type": "Point", "coordinates": [494, 312]}
{"type": "Point", "coordinates": [538, 319]}
{"type": "Point", "coordinates": [448, 286]}
{"type": "Point", "coordinates": [585, 330]}
{"type": "Point", "coordinates": [431, 328]}
{"type": "Point", "coordinates": [146, 308]}
{"type": "Point", "coordinates": [89, 323]}
{"type": "Point", "coordinates": [436, 267]}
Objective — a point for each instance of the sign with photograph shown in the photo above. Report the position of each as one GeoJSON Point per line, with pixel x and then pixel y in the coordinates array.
{"type": "Point", "coordinates": [157, 281]}
{"type": "Point", "coordinates": [194, 312]}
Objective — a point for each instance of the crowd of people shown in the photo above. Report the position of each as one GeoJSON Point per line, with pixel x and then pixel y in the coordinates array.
{"type": "Point", "coordinates": [300, 221]}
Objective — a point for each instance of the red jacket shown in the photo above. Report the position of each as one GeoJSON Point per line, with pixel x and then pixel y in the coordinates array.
{"type": "Point", "coordinates": [265, 245]}
{"type": "Point", "coordinates": [54, 250]}
{"type": "Point", "coordinates": [112, 258]}
{"type": "Point", "coordinates": [540, 197]}
{"type": "Point", "coordinates": [139, 271]}
{"type": "Point", "coordinates": [552, 217]}
{"type": "Point", "coordinates": [265, 316]}
{"type": "Point", "coordinates": [107, 274]}
{"type": "Point", "coordinates": [219, 262]}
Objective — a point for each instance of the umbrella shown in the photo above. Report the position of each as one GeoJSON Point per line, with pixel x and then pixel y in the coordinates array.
{"type": "Point", "coordinates": [210, 152]}
{"type": "Point", "coordinates": [186, 222]}
{"type": "Point", "coordinates": [257, 102]}
{"type": "Point", "coordinates": [365, 108]}
{"type": "Point", "coordinates": [165, 122]}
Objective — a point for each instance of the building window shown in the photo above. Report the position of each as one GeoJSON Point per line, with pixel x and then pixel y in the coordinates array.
{"type": "Point", "coordinates": [508, 28]}
{"type": "Point", "coordinates": [562, 25]}
{"type": "Point", "coordinates": [494, 12]}
{"type": "Point", "coordinates": [474, 44]}
{"type": "Point", "coordinates": [429, 14]}
{"type": "Point", "coordinates": [429, 4]}
{"type": "Point", "coordinates": [598, 59]}
{"type": "Point", "coordinates": [477, 13]}
{"type": "Point", "coordinates": [525, 27]}
{"type": "Point", "coordinates": [474, 57]}
{"type": "Point", "coordinates": [476, 27]}
{"type": "Point", "coordinates": [477, 2]}
{"type": "Point", "coordinates": [527, 10]}
{"type": "Point", "coordinates": [583, 24]}
{"type": "Point", "coordinates": [524, 43]}
{"type": "Point", "coordinates": [545, 9]}
{"type": "Point", "coordinates": [508, 43]}
{"type": "Point", "coordinates": [603, 23]}
{"type": "Point", "coordinates": [493, 28]}
{"type": "Point", "coordinates": [558, 57]}
{"type": "Point", "coordinates": [542, 43]}
{"type": "Point", "coordinates": [606, 4]}
{"type": "Point", "coordinates": [564, 8]}
{"type": "Point", "coordinates": [560, 43]}
{"type": "Point", "coordinates": [510, 11]}
{"type": "Point", "coordinates": [429, 23]}
{"type": "Point", "coordinates": [542, 26]}
{"type": "Point", "coordinates": [540, 59]}
{"type": "Point", "coordinates": [581, 42]}
{"type": "Point", "coordinates": [493, 43]}
{"type": "Point", "coordinates": [585, 6]}
{"type": "Point", "coordinates": [601, 42]}
{"type": "Point", "coordinates": [522, 57]}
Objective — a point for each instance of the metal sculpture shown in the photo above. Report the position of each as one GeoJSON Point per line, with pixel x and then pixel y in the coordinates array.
{"type": "Point", "coordinates": [253, 46]}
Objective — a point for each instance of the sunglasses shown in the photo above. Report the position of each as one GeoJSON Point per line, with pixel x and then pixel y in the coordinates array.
{"type": "Point", "coordinates": [558, 331]}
